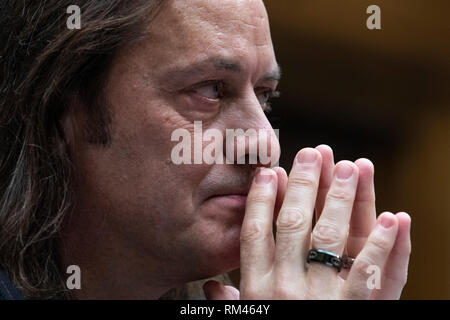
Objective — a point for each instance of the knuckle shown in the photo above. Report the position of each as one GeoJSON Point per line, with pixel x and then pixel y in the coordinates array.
{"type": "Point", "coordinates": [303, 179]}
{"type": "Point", "coordinates": [253, 230]}
{"type": "Point", "coordinates": [328, 234]}
{"type": "Point", "coordinates": [258, 198]}
{"type": "Point", "coordinates": [291, 219]}
{"type": "Point", "coordinates": [380, 243]}
{"type": "Point", "coordinates": [340, 195]}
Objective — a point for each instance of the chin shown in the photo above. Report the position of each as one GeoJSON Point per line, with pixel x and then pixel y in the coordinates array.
{"type": "Point", "coordinates": [222, 254]}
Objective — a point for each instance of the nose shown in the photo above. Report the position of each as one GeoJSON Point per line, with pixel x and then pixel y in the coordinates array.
{"type": "Point", "coordinates": [250, 139]}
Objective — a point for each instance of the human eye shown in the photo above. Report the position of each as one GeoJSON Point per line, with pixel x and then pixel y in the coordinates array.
{"type": "Point", "coordinates": [211, 90]}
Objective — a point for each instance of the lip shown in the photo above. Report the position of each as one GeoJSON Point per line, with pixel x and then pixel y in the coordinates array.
{"type": "Point", "coordinates": [229, 200]}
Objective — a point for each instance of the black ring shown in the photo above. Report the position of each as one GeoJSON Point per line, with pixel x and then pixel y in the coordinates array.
{"type": "Point", "coordinates": [327, 258]}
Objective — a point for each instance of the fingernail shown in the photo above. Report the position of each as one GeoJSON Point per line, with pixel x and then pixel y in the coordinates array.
{"type": "Point", "coordinates": [264, 176]}
{"type": "Point", "coordinates": [344, 171]}
{"type": "Point", "coordinates": [386, 221]}
{"type": "Point", "coordinates": [307, 156]}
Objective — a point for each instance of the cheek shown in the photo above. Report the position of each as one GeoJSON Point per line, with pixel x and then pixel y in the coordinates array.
{"type": "Point", "coordinates": [145, 173]}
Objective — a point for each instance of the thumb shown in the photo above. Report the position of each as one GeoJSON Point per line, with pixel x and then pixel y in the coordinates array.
{"type": "Point", "coordinates": [214, 290]}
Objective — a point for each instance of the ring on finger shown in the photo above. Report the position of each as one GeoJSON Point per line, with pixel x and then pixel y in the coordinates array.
{"type": "Point", "coordinates": [325, 257]}
{"type": "Point", "coordinates": [347, 261]}
{"type": "Point", "coordinates": [330, 259]}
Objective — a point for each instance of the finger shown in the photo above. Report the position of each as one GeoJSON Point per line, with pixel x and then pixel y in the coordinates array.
{"type": "Point", "coordinates": [364, 215]}
{"type": "Point", "coordinates": [257, 242]}
{"type": "Point", "coordinates": [395, 271]}
{"type": "Point", "coordinates": [281, 190]}
{"type": "Point", "coordinates": [330, 232]}
{"type": "Point", "coordinates": [295, 218]}
{"type": "Point", "coordinates": [365, 274]}
{"type": "Point", "coordinates": [326, 176]}
{"type": "Point", "coordinates": [214, 290]}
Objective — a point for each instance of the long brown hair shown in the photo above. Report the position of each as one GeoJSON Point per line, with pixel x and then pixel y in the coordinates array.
{"type": "Point", "coordinates": [42, 64]}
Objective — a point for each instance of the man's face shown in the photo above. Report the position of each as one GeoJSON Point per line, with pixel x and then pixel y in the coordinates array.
{"type": "Point", "coordinates": [202, 60]}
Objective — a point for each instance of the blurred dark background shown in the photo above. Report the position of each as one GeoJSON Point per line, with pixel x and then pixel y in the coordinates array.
{"type": "Point", "coordinates": [380, 94]}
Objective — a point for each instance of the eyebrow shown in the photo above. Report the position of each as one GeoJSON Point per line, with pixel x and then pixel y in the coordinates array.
{"type": "Point", "coordinates": [217, 63]}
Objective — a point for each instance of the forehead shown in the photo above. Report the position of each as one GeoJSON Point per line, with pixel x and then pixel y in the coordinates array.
{"type": "Point", "coordinates": [189, 31]}
{"type": "Point", "coordinates": [247, 18]}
